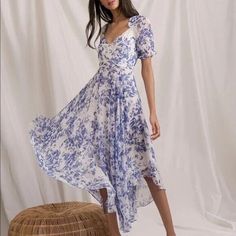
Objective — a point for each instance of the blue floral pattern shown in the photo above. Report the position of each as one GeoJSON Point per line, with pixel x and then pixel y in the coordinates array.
{"type": "Point", "coordinates": [101, 139]}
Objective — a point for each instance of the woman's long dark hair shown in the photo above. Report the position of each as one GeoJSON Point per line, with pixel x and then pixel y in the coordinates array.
{"type": "Point", "coordinates": [98, 11]}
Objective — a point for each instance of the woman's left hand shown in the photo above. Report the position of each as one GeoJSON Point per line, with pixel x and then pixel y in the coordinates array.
{"type": "Point", "coordinates": [155, 126]}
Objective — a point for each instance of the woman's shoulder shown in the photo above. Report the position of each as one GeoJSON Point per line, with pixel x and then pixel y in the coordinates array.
{"type": "Point", "coordinates": [139, 20]}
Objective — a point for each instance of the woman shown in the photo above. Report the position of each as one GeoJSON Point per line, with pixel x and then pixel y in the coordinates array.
{"type": "Point", "coordinates": [100, 140]}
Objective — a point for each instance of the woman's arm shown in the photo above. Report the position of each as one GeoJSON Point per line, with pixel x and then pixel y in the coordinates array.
{"type": "Point", "coordinates": [148, 78]}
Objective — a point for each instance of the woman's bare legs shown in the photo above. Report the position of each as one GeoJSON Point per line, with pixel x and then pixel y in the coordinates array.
{"type": "Point", "coordinates": [111, 217]}
{"type": "Point", "coordinates": [161, 202]}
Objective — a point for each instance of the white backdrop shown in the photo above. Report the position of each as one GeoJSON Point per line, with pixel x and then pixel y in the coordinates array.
{"type": "Point", "coordinates": [45, 63]}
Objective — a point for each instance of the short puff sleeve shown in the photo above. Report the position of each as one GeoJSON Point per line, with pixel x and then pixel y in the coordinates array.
{"type": "Point", "coordinates": [145, 44]}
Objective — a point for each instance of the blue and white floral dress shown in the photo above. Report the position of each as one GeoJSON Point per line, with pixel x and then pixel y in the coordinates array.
{"type": "Point", "coordinates": [101, 139]}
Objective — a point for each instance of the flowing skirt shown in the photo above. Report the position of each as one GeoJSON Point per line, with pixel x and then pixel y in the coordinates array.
{"type": "Point", "coordinates": [100, 139]}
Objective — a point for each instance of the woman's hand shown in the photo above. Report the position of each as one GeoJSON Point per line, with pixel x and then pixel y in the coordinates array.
{"type": "Point", "coordinates": [155, 126]}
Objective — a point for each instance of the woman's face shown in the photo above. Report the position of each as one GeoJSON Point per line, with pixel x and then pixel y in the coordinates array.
{"type": "Point", "coordinates": [110, 4]}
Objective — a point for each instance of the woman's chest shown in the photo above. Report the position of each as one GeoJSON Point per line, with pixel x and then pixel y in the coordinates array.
{"type": "Point", "coordinates": [122, 48]}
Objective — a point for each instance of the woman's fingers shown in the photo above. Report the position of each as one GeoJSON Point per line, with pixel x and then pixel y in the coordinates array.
{"type": "Point", "coordinates": [155, 130]}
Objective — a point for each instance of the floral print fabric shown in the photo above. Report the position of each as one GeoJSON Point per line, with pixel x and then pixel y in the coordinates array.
{"type": "Point", "coordinates": [100, 139]}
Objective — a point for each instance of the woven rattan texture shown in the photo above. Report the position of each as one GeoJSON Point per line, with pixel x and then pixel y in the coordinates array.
{"type": "Point", "coordinates": [67, 219]}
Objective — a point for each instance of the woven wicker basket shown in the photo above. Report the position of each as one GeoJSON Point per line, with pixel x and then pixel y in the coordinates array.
{"type": "Point", "coordinates": [67, 219]}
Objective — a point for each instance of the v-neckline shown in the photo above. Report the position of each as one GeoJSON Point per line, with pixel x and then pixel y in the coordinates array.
{"type": "Point", "coordinates": [119, 36]}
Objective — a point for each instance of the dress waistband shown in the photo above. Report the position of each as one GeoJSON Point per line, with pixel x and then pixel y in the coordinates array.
{"type": "Point", "coordinates": [111, 67]}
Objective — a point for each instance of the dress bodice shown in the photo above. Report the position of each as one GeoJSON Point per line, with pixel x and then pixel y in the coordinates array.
{"type": "Point", "coordinates": [137, 42]}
